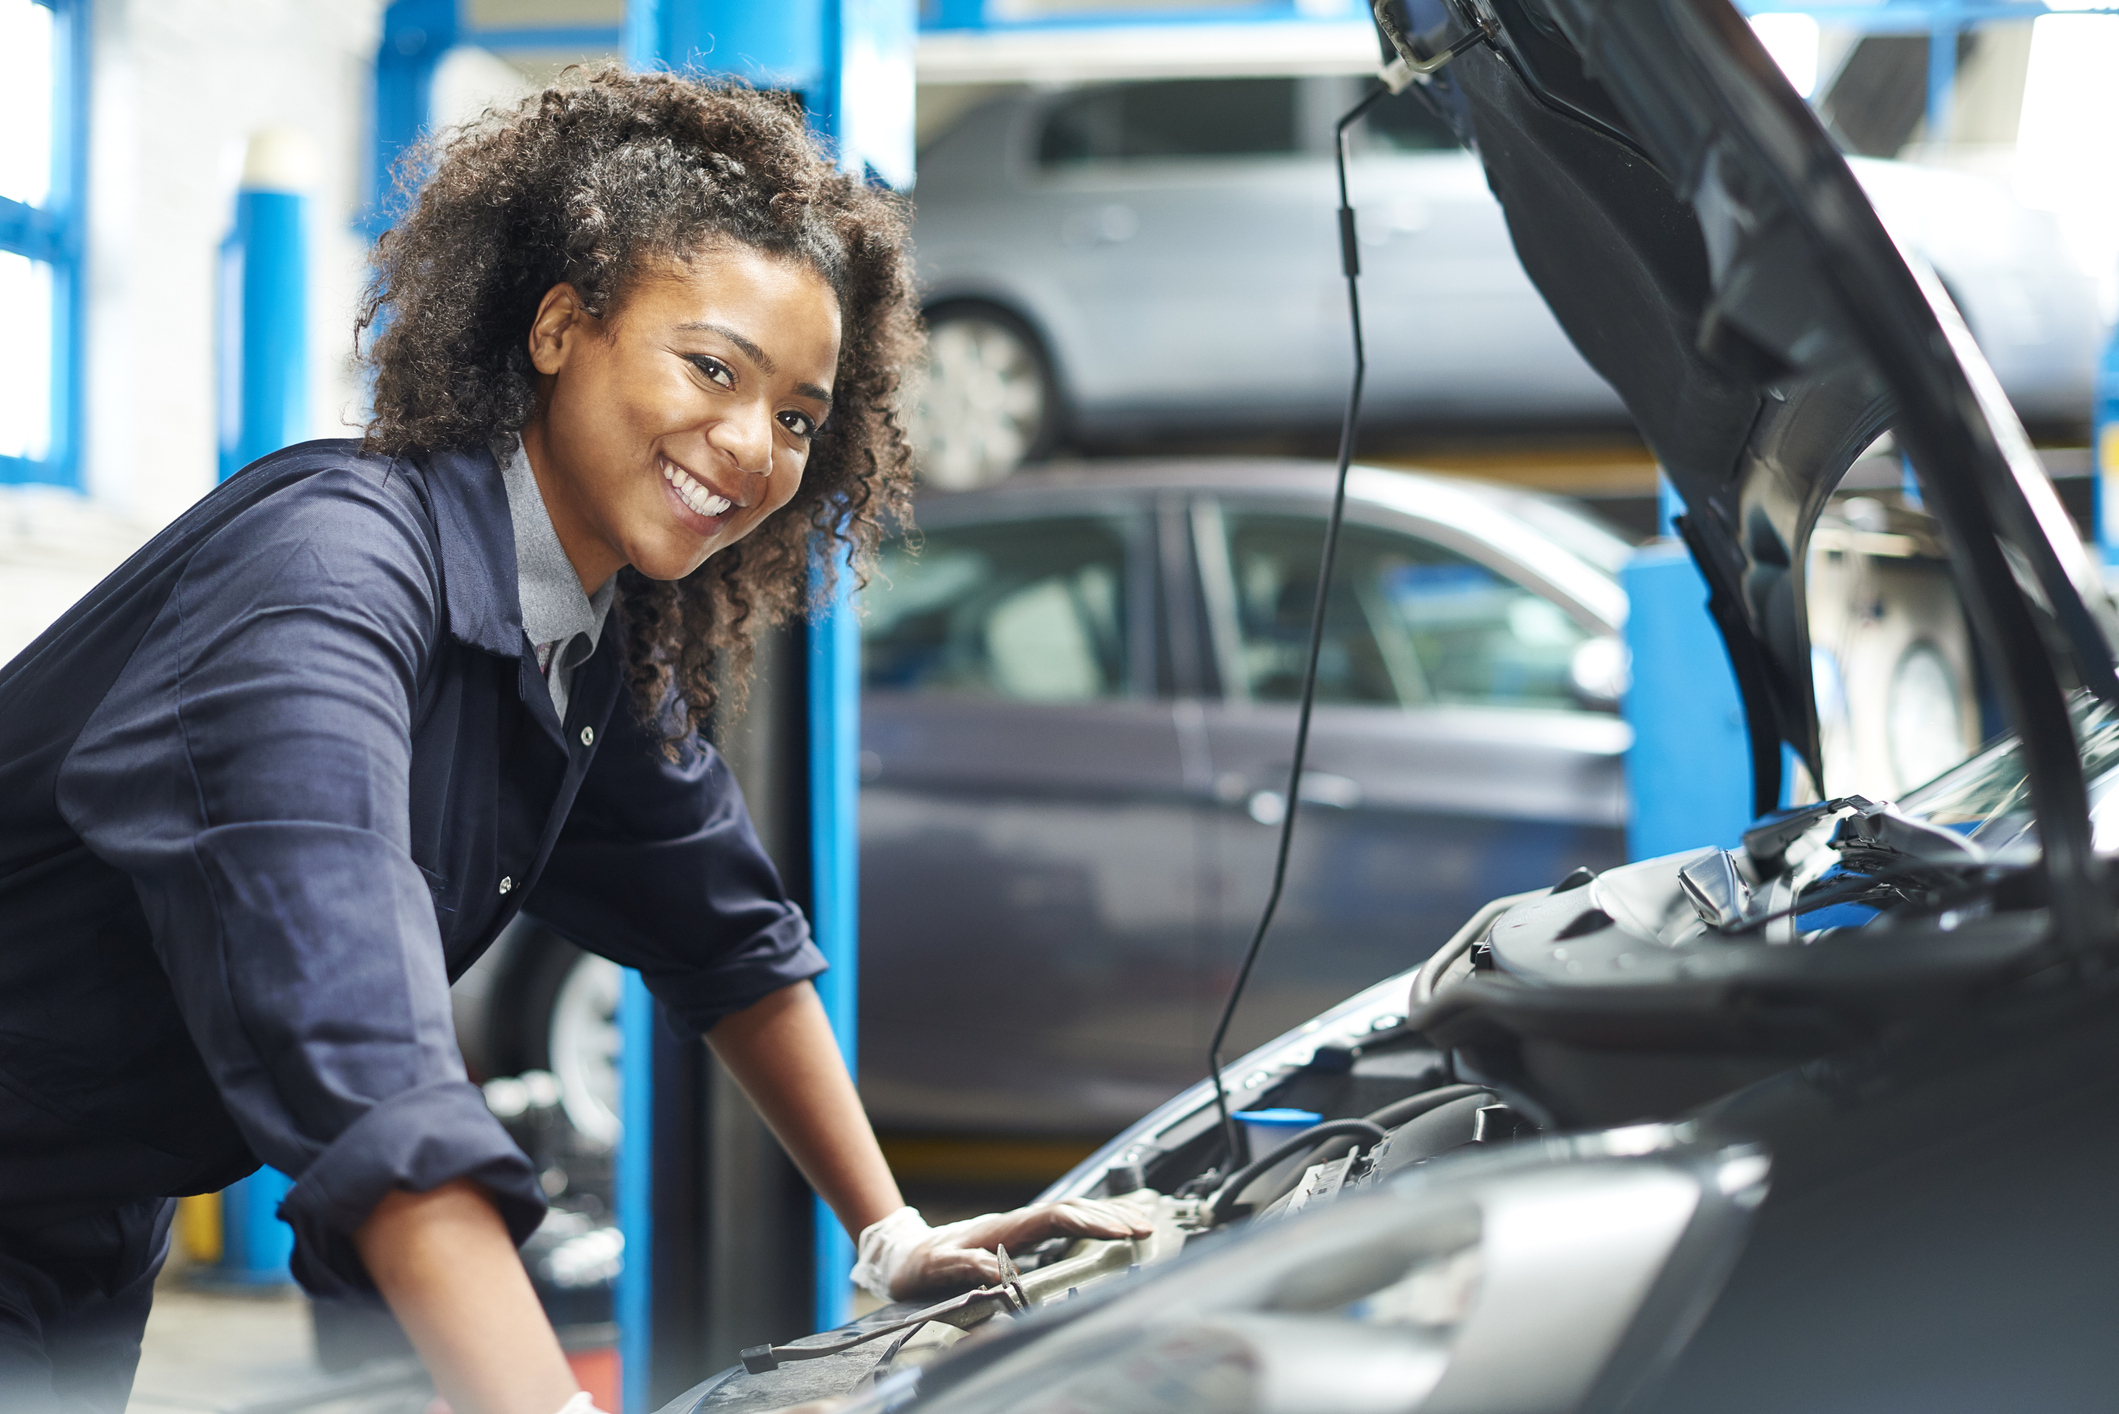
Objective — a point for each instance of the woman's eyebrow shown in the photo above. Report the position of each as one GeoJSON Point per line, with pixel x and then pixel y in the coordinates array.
{"type": "Point", "coordinates": [756, 355]}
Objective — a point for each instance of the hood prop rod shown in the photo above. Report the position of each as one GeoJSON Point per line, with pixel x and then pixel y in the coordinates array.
{"type": "Point", "coordinates": [1350, 262]}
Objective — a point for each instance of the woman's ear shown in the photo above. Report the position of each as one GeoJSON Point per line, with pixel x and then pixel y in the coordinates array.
{"type": "Point", "coordinates": [561, 318]}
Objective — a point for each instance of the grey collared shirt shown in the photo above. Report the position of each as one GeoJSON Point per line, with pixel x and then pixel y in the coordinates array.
{"type": "Point", "coordinates": [561, 623]}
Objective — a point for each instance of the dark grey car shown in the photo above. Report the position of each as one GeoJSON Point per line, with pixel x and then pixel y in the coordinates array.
{"type": "Point", "coordinates": [1077, 706]}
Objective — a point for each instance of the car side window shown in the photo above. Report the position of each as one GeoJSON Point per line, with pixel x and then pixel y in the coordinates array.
{"type": "Point", "coordinates": [1027, 610]}
{"type": "Point", "coordinates": [1408, 623]}
{"type": "Point", "coordinates": [1173, 118]}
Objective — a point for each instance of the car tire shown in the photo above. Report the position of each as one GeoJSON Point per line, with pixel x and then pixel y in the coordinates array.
{"type": "Point", "coordinates": [568, 1002]}
{"type": "Point", "coordinates": [988, 403]}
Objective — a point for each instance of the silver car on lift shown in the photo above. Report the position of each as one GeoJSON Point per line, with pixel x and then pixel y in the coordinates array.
{"type": "Point", "coordinates": [1144, 258]}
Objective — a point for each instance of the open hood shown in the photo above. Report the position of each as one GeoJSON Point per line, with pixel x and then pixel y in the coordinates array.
{"type": "Point", "coordinates": [1710, 253]}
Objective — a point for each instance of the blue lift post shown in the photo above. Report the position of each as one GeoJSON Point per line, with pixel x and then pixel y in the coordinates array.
{"type": "Point", "coordinates": [834, 677]}
{"type": "Point", "coordinates": [416, 34]}
{"type": "Point", "coordinates": [264, 394]}
{"type": "Point", "coordinates": [2105, 448]}
{"type": "Point", "coordinates": [264, 323]}
{"type": "Point", "coordinates": [852, 63]}
{"type": "Point", "coordinates": [1688, 773]}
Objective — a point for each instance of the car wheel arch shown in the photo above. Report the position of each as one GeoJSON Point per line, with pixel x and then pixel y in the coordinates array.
{"type": "Point", "coordinates": [1055, 409]}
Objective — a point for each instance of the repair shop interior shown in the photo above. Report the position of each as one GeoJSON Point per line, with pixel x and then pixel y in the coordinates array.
{"type": "Point", "coordinates": [1014, 706]}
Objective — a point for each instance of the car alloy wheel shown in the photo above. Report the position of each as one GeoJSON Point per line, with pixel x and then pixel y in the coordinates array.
{"type": "Point", "coordinates": [987, 404]}
{"type": "Point", "coordinates": [583, 1047]}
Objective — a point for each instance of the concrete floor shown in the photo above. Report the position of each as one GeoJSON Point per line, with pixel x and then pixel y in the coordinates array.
{"type": "Point", "coordinates": [211, 1352]}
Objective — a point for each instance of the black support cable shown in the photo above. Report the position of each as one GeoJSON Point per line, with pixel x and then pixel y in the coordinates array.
{"type": "Point", "coordinates": [1350, 262]}
{"type": "Point", "coordinates": [1357, 1129]}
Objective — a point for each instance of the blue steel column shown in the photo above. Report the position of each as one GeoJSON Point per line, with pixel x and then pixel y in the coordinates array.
{"type": "Point", "coordinates": [416, 34]}
{"type": "Point", "coordinates": [834, 788]}
{"type": "Point", "coordinates": [1942, 78]}
{"type": "Point", "coordinates": [69, 196]}
{"type": "Point", "coordinates": [264, 312]}
{"type": "Point", "coordinates": [1688, 773]}
{"type": "Point", "coordinates": [635, 1188]}
{"type": "Point", "coordinates": [2105, 447]}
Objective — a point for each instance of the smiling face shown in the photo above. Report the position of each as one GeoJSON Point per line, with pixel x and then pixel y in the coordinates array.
{"type": "Point", "coordinates": [674, 425]}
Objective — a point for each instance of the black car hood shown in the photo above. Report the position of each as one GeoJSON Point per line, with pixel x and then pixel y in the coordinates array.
{"type": "Point", "coordinates": [1710, 253]}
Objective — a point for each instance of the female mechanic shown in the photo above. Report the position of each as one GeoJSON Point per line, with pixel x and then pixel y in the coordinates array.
{"type": "Point", "coordinates": [290, 769]}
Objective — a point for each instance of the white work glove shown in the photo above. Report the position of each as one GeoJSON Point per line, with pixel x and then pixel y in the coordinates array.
{"type": "Point", "coordinates": [580, 1404]}
{"type": "Point", "coordinates": [901, 1256]}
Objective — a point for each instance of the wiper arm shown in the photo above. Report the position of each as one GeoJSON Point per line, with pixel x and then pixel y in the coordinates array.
{"type": "Point", "coordinates": [1767, 842]}
{"type": "Point", "coordinates": [1881, 829]}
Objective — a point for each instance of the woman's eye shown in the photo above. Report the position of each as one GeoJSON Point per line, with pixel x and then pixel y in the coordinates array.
{"type": "Point", "coordinates": [798, 423]}
{"type": "Point", "coordinates": [715, 369]}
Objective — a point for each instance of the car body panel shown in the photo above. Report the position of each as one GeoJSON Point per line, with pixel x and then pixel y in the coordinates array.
{"type": "Point", "coordinates": [1103, 857]}
{"type": "Point", "coordinates": [1029, 897]}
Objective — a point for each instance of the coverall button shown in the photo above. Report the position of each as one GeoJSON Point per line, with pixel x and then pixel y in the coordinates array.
{"type": "Point", "coordinates": [507, 882]}
{"type": "Point", "coordinates": [588, 736]}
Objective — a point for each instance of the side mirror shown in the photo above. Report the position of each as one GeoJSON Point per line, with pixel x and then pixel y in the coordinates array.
{"type": "Point", "coordinates": [1600, 672]}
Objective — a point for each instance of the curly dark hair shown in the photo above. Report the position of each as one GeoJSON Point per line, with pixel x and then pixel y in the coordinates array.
{"type": "Point", "coordinates": [589, 183]}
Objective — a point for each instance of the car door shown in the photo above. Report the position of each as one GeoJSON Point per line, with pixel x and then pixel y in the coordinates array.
{"type": "Point", "coordinates": [1195, 246]}
{"type": "Point", "coordinates": [1450, 759]}
{"type": "Point", "coordinates": [1029, 855]}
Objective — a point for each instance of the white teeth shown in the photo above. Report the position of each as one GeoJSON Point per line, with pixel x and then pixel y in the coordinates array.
{"type": "Point", "coordinates": [700, 499]}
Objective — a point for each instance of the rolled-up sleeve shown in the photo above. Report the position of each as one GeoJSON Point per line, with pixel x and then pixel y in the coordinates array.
{"type": "Point", "coordinates": [659, 868]}
{"type": "Point", "coordinates": [250, 772]}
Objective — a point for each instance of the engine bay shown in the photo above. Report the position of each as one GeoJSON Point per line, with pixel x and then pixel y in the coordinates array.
{"type": "Point", "coordinates": [1626, 998]}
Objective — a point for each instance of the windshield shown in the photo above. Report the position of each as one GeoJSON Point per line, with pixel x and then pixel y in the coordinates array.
{"type": "Point", "coordinates": [1987, 800]}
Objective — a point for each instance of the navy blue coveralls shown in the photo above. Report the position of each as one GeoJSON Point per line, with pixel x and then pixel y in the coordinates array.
{"type": "Point", "coordinates": [263, 793]}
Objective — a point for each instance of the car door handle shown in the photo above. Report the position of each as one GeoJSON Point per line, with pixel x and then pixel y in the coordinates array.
{"type": "Point", "coordinates": [1270, 807]}
{"type": "Point", "coordinates": [1110, 224]}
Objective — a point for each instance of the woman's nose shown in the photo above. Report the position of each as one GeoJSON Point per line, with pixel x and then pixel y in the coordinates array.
{"type": "Point", "coordinates": [746, 438]}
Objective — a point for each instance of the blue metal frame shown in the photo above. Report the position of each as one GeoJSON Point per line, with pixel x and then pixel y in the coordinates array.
{"type": "Point", "coordinates": [416, 34]}
{"type": "Point", "coordinates": [635, 1185]}
{"type": "Point", "coordinates": [834, 811]}
{"type": "Point", "coordinates": [264, 328]}
{"type": "Point", "coordinates": [55, 234]}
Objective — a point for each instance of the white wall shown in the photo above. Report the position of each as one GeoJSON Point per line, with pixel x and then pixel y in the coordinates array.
{"type": "Point", "coordinates": [179, 87]}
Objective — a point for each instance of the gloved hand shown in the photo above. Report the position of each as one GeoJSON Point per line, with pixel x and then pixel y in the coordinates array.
{"type": "Point", "coordinates": [580, 1404]}
{"type": "Point", "coordinates": [902, 1257]}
